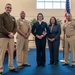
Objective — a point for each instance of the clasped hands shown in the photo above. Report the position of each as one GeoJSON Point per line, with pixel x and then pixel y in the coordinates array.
{"type": "Point", "coordinates": [51, 39]}
{"type": "Point", "coordinates": [39, 36]}
{"type": "Point", "coordinates": [26, 35]}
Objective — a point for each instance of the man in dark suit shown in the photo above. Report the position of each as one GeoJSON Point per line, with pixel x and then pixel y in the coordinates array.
{"type": "Point", "coordinates": [39, 30]}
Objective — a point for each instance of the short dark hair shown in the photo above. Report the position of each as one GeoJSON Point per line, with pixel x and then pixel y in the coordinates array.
{"type": "Point", "coordinates": [54, 19]}
{"type": "Point", "coordinates": [41, 15]}
{"type": "Point", "coordinates": [22, 12]}
{"type": "Point", "coordinates": [8, 4]}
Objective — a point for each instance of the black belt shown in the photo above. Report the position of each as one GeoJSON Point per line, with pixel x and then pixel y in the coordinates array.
{"type": "Point", "coordinates": [68, 36]}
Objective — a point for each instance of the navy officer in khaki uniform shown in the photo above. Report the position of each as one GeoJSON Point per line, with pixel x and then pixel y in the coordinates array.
{"type": "Point", "coordinates": [69, 29]}
{"type": "Point", "coordinates": [8, 28]}
{"type": "Point", "coordinates": [23, 29]}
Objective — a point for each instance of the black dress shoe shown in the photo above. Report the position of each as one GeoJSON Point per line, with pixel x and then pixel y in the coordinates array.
{"type": "Point", "coordinates": [65, 64]}
{"type": "Point", "coordinates": [20, 67]}
{"type": "Point", "coordinates": [14, 70]}
{"type": "Point", "coordinates": [43, 65]}
{"type": "Point", "coordinates": [28, 65]}
{"type": "Point", "coordinates": [38, 65]}
{"type": "Point", "coordinates": [73, 66]}
{"type": "Point", "coordinates": [1, 73]}
{"type": "Point", "coordinates": [51, 63]}
{"type": "Point", "coordinates": [55, 63]}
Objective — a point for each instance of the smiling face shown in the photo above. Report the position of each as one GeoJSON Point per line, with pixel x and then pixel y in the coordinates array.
{"type": "Point", "coordinates": [40, 17]}
{"type": "Point", "coordinates": [22, 14]}
{"type": "Point", "coordinates": [52, 20]}
{"type": "Point", "coordinates": [8, 8]}
{"type": "Point", "coordinates": [68, 17]}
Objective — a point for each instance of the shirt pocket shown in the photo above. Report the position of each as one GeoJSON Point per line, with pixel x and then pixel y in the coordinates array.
{"type": "Point", "coordinates": [72, 28]}
{"type": "Point", "coordinates": [21, 23]}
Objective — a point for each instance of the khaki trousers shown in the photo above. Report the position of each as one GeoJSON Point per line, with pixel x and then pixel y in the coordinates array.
{"type": "Point", "coordinates": [4, 44]}
{"type": "Point", "coordinates": [22, 50]}
{"type": "Point", "coordinates": [70, 43]}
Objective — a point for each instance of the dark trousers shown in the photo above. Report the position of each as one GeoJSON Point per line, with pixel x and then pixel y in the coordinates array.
{"type": "Point", "coordinates": [54, 50]}
{"type": "Point", "coordinates": [40, 51]}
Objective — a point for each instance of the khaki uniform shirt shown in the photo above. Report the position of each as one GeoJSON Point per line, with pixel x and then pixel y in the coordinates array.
{"type": "Point", "coordinates": [69, 28]}
{"type": "Point", "coordinates": [23, 25]}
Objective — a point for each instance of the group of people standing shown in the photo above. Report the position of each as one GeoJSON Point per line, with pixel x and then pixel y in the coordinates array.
{"type": "Point", "coordinates": [8, 27]}
{"type": "Point", "coordinates": [41, 31]}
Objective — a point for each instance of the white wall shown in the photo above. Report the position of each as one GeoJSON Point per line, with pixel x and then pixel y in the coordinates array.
{"type": "Point", "coordinates": [29, 6]}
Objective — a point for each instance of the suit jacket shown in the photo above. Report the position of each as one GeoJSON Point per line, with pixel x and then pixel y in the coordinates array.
{"type": "Point", "coordinates": [69, 28]}
{"type": "Point", "coordinates": [38, 29]}
{"type": "Point", "coordinates": [55, 32]}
